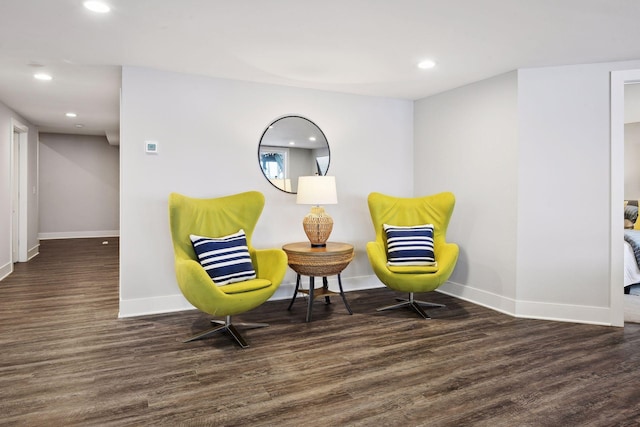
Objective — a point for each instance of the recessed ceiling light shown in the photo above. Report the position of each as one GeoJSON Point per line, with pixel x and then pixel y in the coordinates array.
{"type": "Point", "coordinates": [97, 6]}
{"type": "Point", "coordinates": [426, 64]}
{"type": "Point", "coordinates": [292, 143]}
{"type": "Point", "coordinates": [71, 115]}
{"type": "Point", "coordinates": [79, 125]}
{"type": "Point", "coordinates": [312, 138]}
{"type": "Point", "coordinates": [42, 76]}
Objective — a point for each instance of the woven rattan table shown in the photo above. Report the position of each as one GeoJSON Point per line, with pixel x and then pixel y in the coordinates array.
{"type": "Point", "coordinates": [318, 262]}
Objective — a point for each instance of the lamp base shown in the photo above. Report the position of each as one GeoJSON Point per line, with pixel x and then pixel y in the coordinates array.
{"type": "Point", "coordinates": [317, 226]}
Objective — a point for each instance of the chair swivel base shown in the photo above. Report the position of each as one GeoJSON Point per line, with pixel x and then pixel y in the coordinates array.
{"type": "Point", "coordinates": [230, 328]}
{"type": "Point", "coordinates": [414, 304]}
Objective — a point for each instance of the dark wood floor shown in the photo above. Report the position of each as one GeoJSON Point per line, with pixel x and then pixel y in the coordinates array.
{"type": "Point", "coordinates": [66, 360]}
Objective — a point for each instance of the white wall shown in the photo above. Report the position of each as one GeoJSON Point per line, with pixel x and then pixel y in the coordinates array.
{"type": "Point", "coordinates": [466, 142]}
{"type": "Point", "coordinates": [7, 118]}
{"type": "Point", "coordinates": [564, 186]}
{"type": "Point", "coordinates": [79, 190]}
{"type": "Point", "coordinates": [208, 132]}
{"type": "Point", "coordinates": [537, 210]}
{"type": "Point", "coordinates": [564, 233]}
{"type": "Point", "coordinates": [632, 161]}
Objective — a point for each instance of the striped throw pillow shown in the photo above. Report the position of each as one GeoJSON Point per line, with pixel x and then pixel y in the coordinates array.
{"type": "Point", "coordinates": [410, 245]}
{"type": "Point", "coordinates": [226, 259]}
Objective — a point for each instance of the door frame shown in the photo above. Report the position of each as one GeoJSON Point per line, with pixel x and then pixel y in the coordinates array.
{"type": "Point", "coordinates": [616, 298]}
{"type": "Point", "coordinates": [22, 176]}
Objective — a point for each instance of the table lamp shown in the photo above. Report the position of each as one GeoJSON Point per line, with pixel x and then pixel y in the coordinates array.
{"type": "Point", "coordinates": [317, 190]}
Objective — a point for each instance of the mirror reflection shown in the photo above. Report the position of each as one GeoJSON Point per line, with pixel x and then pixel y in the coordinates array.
{"type": "Point", "coordinates": [292, 146]}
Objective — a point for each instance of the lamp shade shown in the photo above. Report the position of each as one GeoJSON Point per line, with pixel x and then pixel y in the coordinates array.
{"type": "Point", "coordinates": [317, 190]}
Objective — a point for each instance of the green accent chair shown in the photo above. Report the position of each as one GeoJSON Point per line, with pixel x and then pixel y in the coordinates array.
{"type": "Point", "coordinates": [219, 217]}
{"type": "Point", "coordinates": [435, 209]}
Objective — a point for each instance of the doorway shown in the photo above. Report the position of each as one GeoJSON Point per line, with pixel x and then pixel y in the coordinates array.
{"type": "Point", "coordinates": [631, 195]}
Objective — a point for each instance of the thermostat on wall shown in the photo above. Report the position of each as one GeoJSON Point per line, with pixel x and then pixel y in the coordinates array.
{"type": "Point", "coordinates": [151, 147]}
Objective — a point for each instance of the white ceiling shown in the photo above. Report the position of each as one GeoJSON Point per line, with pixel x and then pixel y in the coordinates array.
{"type": "Point", "coordinates": [368, 47]}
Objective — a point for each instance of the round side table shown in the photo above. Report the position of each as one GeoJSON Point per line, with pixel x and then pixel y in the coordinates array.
{"type": "Point", "coordinates": [318, 262]}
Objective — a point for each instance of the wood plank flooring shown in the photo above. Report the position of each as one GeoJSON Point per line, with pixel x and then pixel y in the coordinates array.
{"type": "Point", "coordinates": [66, 360]}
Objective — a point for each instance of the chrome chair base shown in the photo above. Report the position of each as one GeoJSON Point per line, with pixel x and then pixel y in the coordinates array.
{"type": "Point", "coordinates": [230, 328]}
{"type": "Point", "coordinates": [414, 304]}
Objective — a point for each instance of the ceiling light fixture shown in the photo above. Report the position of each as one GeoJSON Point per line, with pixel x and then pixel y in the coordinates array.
{"type": "Point", "coordinates": [426, 64]}
{"type": "Point", "coordinates": [97, 6]}
{"type": "Point", "coordinates": [71, 115]}
{"type": "Point", "coordinates": [42, 76]}
{"type": "Point", "coordinates": [79, 125]}
{"type": "Point", "coordinates": [312, 138]}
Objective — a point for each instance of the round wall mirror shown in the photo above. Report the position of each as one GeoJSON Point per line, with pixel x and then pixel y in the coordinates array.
{"type": "Point", "coordinates": [292, 146]}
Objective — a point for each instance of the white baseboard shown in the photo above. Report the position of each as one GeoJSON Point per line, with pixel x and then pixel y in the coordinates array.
{"type": "Point", "coordinates": [153, 305]}
{"type": "Point", "coordinates": [479, 297]}
{"type": "Point", "coordinates": [177, 302]}
{"type": "Point", "coordinates": [6, 270]}
{"type": "Point", "coordinates": [565, 313]}
{"type": "Point", "coordinates": [31, 253]}
{"type": "Point", "coordinates": [78, 234]}
{"type": "Point", "coordinates": [509, 306]}
{"type": "Point", "coordinates": [528, 309]}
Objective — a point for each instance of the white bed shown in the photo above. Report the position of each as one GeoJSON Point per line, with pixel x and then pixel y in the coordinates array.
{"type": "Point", "coordinates": [631, 270]}
{"type": "Point", "coordinates": [631, 234]}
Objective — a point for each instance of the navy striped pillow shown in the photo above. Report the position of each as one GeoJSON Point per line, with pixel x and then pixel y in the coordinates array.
{"type": "Point", "coordinates": [226, 259]}
{"type": "Point", "coordinates": [410, 245]}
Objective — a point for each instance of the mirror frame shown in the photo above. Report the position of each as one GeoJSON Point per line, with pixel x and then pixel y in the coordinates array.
{"type": "Point", "coordinates": [289, 116]}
